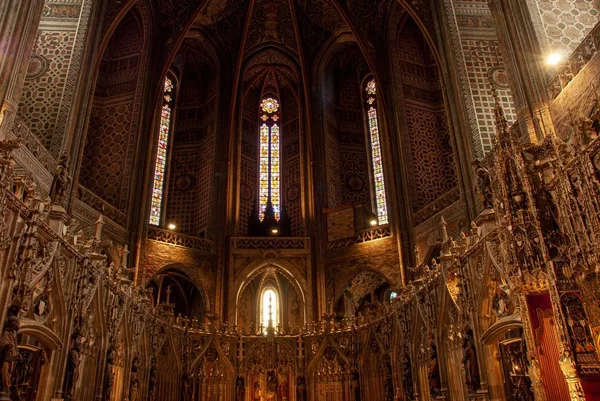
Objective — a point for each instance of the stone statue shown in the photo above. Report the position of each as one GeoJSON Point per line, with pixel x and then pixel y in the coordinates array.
{"type": "Point", "coordinates": [388, 385]}
{"type": "Point", "coordinates": [72, 373]}
{"type": "Point", "coordinates": [187, 388]}
{"type": "Point", "coordinates": [110, 375]}
{"type": "Point", "coordinates": [9, 351]}
{"type": "Point", "coordinates": [484, 184]}
{"type": "Point", "coordinates": [470, 362]}
{"type": "Point", "coordinates": [240, 389]}
{"type": "Point", "coordinates": [257, 393]}
{"type": "Point", "coordinates": [407, 382]}
{"type": "Point", "coordinates": [433, 373]}
{"type": "Point", "coordinates": [152, 381]}
{"type": "Point", "coordinates": [61, 181]}
{"type": "Point", "coordinates": [271, 385]}
{"type": "Point", "coordinates": [301, 388]}
{"type": "Point", "coordinates": [355, 387]}
{"type": "Point", "coordinates": [134, 381]}
{"type": "Point", "coordinates": [283, 390]}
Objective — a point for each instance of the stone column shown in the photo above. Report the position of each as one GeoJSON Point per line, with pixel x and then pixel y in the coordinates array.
{"type": "Point", "coordinates": [526, 73]}
{"type": "Point", "coordinates": [19, 20]}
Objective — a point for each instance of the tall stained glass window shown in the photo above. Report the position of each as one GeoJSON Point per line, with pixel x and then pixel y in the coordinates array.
{"type": "Point", "coordinates": [270, 162]}
{"type": "Point", "coordinates": [376, 158]}
{"type": "Point", "coordinates": [161, 152]}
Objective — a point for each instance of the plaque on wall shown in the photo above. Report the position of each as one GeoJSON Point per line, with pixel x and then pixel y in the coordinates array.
{"type": "Point", "coordinates": [184, 182]}
{"type": "Point", "coordinates": [355, 183]}
{"type": "Point", "coordinates": [340, 222]}
{"type": "Point", "coordinates": [246, 192]}
{"type": "Point", "coordinates": [293, 193]}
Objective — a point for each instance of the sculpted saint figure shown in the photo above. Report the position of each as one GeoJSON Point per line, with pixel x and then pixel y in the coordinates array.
{"type": "Point", "coordinates": [301, 389]}
{"type": "Point", "coordinates": [9, 351]}
{"type": "Point", "coordinates": [484, 184]}
{"type": "Point", "coordinates": [61, 180]}
{"type": "Point", "coordinates": [72, 374]}
{"type": "Point", "coordinates": [240, 389]}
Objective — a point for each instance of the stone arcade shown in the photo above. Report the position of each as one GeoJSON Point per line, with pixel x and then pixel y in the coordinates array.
{"type": "Point", "coordinates": [299, 200]}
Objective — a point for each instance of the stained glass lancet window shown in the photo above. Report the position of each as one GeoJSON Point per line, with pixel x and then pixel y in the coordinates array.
{"type": "Point", "coordinates": [269, 309]}
{"type": "Point", "coordinates": [270, 163]}
{"type": "Point", "coordinates": [161, 152]}
{"type": "Point", "coordinates": [376, 157]}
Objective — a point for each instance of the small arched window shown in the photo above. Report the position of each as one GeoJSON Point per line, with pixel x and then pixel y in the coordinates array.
{"type": "Point", "coordinates": [160, 166]}
{"type": "Point", "coordinates": [376, 154]}
{"type": "Point", "coordinates": [269, 309]}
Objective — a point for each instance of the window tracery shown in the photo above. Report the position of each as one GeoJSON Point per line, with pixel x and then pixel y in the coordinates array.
{"type": "Point", "coordinates": [161, 152]}
{"type": "Point", "coordinates": [269, 163]}
{"type": "Point", "coordinates": [376, 156]}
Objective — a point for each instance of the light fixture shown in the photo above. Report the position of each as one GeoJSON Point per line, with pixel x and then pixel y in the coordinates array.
{"type": "Point", "coordinates": [373, 222]}
{"type": "Point", "coordinates": [554, 59]}
{"type": "Point", "coordinates": [172, 226]}
{"type": "Point", "coordinates": [274, 231]}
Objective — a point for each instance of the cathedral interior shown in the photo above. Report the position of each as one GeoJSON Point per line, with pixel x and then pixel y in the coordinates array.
{"type": "Point", "coordinates": [299, 200]}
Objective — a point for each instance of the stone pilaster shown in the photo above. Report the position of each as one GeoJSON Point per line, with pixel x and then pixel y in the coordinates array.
{"type": "Point", "coordinates": [19, 20]}
{"type": "Point", "coordinates": [526, 73]}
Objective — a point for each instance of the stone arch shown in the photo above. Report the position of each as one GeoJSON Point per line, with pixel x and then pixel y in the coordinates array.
{"type": "Point", "coordinates": [375, 366]}
{"type": "Point", "coordinates": [319, 355]}
{"type": "Point", "coordinates": [107, 158]}
{"type": "Point", "coordinates": [180, 273]}
{"type": "Point", "coordinates": [356, 281]}
{"type": "Point", "coordinates": [261, 268]}
{"type": "Point", "coordinates": [214, 363]}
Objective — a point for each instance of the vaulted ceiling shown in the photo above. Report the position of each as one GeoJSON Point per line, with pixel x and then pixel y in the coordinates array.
{"type": "Point", "coordinates": [235, 30]}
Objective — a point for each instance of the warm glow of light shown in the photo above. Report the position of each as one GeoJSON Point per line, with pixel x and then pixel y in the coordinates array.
{"type": "Point", "coordinates": [554, 59]}
{"type": "Point", "coordinates": [274, 231]}
{"type": "Point", "coordinates": [270, 309]}
{"type": "Point", "coordinates": [373, 222]}
{"type": "Point", "coordinates": [172, 226]}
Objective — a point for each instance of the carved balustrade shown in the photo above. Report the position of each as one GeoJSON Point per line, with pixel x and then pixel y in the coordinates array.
{"type": "Point", "coordinates": [371, 234]}
{"type": "Point", "coordinates": [33, 145]}
{"type": "Point", "coordinates": [100, 205]}
{"type": "Point", "coordinates": [284, 243]}
{"type": "Point", "coordinates": [174, 238]}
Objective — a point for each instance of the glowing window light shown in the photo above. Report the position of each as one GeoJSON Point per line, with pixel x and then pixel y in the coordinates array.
{"type": "Point", "coordinates": [393, 295]}
{"type": "Point", "coordinates": [380, 199]}
{"type": "Point", "coordinates": [269, 159]}
{"type": "Point", "coordinates": [269, 308]}
{"type": "Point", "coordinates": [161, 153]}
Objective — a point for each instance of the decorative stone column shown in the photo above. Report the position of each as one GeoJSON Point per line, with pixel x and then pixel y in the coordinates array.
{"type": "Point", "coordinates": [522, 52]}
{"type": "Point", "coordinates": [19, 20]}
{"type": "Point", "coordinates": [567, 365]}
